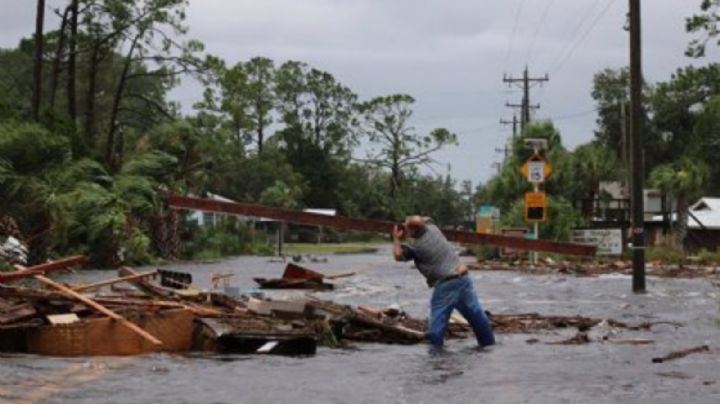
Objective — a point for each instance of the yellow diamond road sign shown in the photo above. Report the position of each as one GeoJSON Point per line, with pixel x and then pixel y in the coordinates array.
{"type": "Point", "coordinates": [536, 169]}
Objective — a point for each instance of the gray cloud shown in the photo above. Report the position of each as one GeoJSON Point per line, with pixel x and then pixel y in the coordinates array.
{"type": "Point", "coordinates": [450, 55]}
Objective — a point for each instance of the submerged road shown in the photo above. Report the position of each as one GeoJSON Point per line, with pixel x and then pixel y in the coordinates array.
{"type": "Point", "coordinates": [514, 371]}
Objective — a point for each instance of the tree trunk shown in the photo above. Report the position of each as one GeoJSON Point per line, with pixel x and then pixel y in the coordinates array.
{"type": "Point", "coordinates": [72, 49]}
{"type": "Point", "coordinates": [90, 99]}
{"type": "Point", "coordinates": [260, 134]}
{"type": "Point", "coordinates": [589, 206]}
{"type": "Point", "coordinates": [681, 227]}
{"type": "Point", "coordinates": [38, 245]}
{"type": "Point", "coordinates": [38, 59]}
{"type": "Point", "coordinates": [165, 234]}
{"type": "Point", "coordinates": [110, 145]}
{"type": "Point", "coordinates": [57, 60]}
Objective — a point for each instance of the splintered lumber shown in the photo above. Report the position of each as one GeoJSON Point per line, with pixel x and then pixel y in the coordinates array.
{"type": "Point", "coordinates": [100, 284]}
{"type": "Point", "coordinates": [294, 271]}
{"type": "Point", "coordinates": [342, 222]}
{"type": "Point", "coordinates": [143, 285]}
{"type": "Point", "coordinates": [29, 293]}
{"type": "Point", "coordinates": [17, 313]}
{"type": "Point", "coordinates": [42, 268]}
{"type": "Point", "coordinates": [102, 309]}
{"type": "Point", "coordinates": [681, 354]}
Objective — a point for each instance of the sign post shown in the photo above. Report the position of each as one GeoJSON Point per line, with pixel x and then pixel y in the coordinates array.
{"type": "Point", "coordinates": [536, 169]}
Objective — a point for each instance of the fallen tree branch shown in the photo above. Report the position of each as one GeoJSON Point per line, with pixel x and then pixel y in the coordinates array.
{"type": "Point", "coordinates": [681, 354]}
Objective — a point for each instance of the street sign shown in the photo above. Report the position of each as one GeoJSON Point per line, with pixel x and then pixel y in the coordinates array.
{"type": "Point", "coordinates": [607, 241]}
{"type": "Point", "coordinates": [536, 169]}
{"type": "Point", "coordinates": [535, 207]}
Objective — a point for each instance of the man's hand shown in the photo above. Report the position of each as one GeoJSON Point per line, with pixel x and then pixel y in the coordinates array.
{"type": "Point", "coordinates": [398, 232]}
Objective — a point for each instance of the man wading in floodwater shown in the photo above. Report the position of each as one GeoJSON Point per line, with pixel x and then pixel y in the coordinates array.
{"type": "Point", "coordinates": [452, 287]}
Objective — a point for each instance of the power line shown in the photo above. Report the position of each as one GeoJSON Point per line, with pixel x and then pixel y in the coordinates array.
{"type": "Point", "coordinates": [581, 23]}
{"type": "Point", "coordinates": [584, 36]}
{"type": "Point", "coordinates": [571, 115]}
{"type": "Point", "coordinates": [514, 31]}
{"type": "Point", "coordinates": [548, 6]}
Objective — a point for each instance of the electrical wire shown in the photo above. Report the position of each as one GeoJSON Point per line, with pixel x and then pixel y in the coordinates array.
{"type": "Point", "coordinates": [599, 17]}
{"type": "Point", "coordinates": [531, 47]}
{"type": "Point", "coordinates": [511, 44]}
{"type": "Point", "coordinates": [576, 30]}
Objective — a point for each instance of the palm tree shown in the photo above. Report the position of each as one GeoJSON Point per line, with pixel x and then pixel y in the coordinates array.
{"type": "Point", "coordinates": [684, 180]}
{"type": "Point", "coordinates": [112, 213]}
{"type": "Point", "coordinates": [593, 163]}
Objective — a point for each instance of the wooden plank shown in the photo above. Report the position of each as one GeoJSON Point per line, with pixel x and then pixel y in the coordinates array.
{"type": "Point", "coordinates": [184, 202]}
{"type": "Point", "coordinates": [681, 354]}
{"type": "Point", "coordinates": [62, 319]}
{"type": "Point", "coordinates": [29, 293]}
{"type": "Point", "coordinates": [102, 309]}
{"type": "Point", "coordinates": [105, 336]}
{"type": "Point", "coordinates": [42, 269]}
{"type": "Point", "coordinates": [114, 281]}
{"type": "Point", "coordinates": [143, 285]}
{"type": "Point", "coordinates": [17, 313]}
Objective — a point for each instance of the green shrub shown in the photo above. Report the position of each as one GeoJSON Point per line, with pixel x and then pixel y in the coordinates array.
{"type": "Point", "coordinates": [666, 254]}
{"type": "Point", "coordinates": [137, 249]}
{"type": "Point", "coordinates": [709, 257]}
{"type": "Point", "coordinates": [228, 238]}
{"type": "Point", "coordinates": [562, 218]}
{"type": "Point", "coordinates": [484, 252]}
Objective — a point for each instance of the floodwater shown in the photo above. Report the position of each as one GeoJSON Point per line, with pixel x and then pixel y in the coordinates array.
{"type": "Point", "coordinates": [514, 371]}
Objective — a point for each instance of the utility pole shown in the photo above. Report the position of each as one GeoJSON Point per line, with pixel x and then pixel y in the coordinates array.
{"type": "Point", "coordinates": [522, 107]}
{"type": "Point", "coordinates": [636, 134]}
{"type": "Point", "coordinates": [514, 124]}
{"type": "Point", "coordinates": [37, 59]}
{"type": "Point", "coordinates": [526, 81]}
{"type": "Point", "coordinates": [504, 150]}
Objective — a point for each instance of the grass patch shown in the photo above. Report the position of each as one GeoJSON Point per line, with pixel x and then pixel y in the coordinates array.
{"type": "Point", "coordinates": [330, 248]}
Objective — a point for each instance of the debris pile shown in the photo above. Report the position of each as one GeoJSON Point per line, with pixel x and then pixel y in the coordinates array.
{"type": "Point", "coordinates": [297, 277]}
{"type": "Point", "coordinates": [593, 268]}
{"type": "Point", "coordinates": [162, 311]}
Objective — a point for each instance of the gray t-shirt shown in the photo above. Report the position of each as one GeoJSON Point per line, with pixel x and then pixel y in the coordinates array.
{"type": "Point", "coordinates": [434, 257]}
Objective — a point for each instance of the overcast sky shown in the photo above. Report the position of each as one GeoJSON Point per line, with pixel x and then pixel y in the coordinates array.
{"type": "Point", "coordinates": [450, 55]}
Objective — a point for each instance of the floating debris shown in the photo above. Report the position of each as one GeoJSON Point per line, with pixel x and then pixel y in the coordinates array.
{"type": "Point", "coordinates": [101, 319]}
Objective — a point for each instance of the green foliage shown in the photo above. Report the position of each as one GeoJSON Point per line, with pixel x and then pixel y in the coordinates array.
{"type": "Point", "coordinates": [394, 143]}
{"type": "Point", "coordinates": [686, 178]}
{"type": "Point", "coordinates": [227, 239]}
{"type": "Point", "coordinates": [484, 252]}
{"type": "Point", "coordinates": [562, 218]}
{"type": "Point", "coordinates": [709, 257]}
{"type": "Point", "coordinates": [706, 25]}
{"type": "Point", "coordinates": [281, 195]}
{"type": "Point", "coordinates": [666, 254]}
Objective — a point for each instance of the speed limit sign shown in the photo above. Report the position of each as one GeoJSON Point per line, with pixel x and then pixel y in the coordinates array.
{"type": "Point", "coordinates": [536, 169]}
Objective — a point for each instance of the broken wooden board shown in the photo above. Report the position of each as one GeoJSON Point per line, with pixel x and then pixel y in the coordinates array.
{"type": "Point", "coordinates": [105, 336]}
{"type": "Point", "coordinates": [90, 286]}
{"type": "Point", "coordinates": [62, 319]}
{"type": "Point", "coordinates": [342, 222]}
{"type": "Point", "coordinates": [283, 283]}
{"type": "Point", "coordinates": [681, 354]}
{"type": "Point", "coordinates": [17, 313]}
{"type": "Point", "coordinates": [256, 336]}
{"type": "Point", "coordinates": [23, 273]}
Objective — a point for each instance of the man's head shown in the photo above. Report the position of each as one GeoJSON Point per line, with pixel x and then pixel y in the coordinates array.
{"type": "Point", "coordinates": [415, 225]}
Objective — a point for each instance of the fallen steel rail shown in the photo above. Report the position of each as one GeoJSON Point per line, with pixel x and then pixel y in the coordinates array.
{"type": "Point", "coordinates": [348, 223]}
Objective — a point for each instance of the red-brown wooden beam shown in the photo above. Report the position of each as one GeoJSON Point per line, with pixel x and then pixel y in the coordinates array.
{"type": "Point", "coordinates": [43, 268]}
{"type": "Point", "coordinates": [246, 209]}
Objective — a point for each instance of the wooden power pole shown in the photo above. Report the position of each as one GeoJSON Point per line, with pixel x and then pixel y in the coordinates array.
{"type": "Point", "coordinates": [38, 59]}
{"type": "Point", "coordinates": [636, 145]}
{"type": "Point", "coordinates": [526, 81]}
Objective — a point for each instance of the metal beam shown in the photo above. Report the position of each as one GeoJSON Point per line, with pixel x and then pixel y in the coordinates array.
{"type": "Point", "coordinates": [377, 226]}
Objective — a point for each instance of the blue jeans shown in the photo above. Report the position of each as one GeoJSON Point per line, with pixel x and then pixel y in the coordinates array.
{"type": "Point", "coordinates": [457, 293]}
